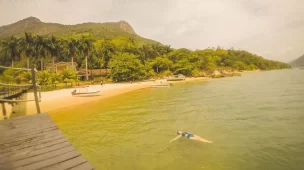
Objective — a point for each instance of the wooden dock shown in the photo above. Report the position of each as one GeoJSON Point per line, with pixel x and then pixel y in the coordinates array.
{"type": "Point", "coordinates": [10, 93]}
{"type": "Point", "coordinates": [35, 142]}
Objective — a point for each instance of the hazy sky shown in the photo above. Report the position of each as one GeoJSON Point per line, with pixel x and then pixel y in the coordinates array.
{"type": "Point", "coordinates": [273, 29]}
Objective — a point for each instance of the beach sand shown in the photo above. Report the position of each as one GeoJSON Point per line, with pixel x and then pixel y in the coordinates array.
{"type": "Point", "coordinates": [59, 99]}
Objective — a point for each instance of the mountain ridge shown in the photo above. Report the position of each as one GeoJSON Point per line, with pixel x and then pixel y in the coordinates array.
{"type": "Point", "coordinates": [98, 30]}
{"type": "Point", "coordinates": [299, 62]}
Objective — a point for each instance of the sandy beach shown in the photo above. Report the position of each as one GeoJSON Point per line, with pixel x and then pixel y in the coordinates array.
{"type": "Point", "coordinates": [59, 99]}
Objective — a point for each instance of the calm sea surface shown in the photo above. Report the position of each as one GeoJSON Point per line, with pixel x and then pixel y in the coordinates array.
{"type": "Point", "coordinates": [256, 122]}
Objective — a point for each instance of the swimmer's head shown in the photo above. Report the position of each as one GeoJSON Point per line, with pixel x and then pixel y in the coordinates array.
{"type": "Point", "coordinates": [179, 132]}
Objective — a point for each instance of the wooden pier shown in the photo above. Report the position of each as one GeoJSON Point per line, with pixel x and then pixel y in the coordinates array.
{"type": "Point", "coordinates": [12, 93]}
{"type": "Point", "coordinates": [35, 142]}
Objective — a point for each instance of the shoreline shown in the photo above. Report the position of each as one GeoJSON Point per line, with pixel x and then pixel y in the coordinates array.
{"type": "Point", "coordinates": [61, 99]}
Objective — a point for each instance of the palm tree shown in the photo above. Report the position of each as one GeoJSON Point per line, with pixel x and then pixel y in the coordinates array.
{"type": "Point", "coordinates": [28, 47]}
{"type": "Point", "coordinates": [53, 47]}
{"type": "Point", "coordinates": [11, 48]}
{"type": "Point", "coordinates": [40, 49]}
{"type": "Point", "coordinates": [73, 45]}
{"type": "Point", "coordinates": [106, 52]}
{"type": "Point", "coordinates": [86, 47]}
{"type": "Point", "coordinates": [143, 57]}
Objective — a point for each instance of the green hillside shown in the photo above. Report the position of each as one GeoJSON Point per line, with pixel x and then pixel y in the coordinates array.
{"type": "Point", "coordinates": [299, 62]}
{"type": "Point", "coordinates": [114, 46]}
{"type": "Point", "coordinates": [98, 30]}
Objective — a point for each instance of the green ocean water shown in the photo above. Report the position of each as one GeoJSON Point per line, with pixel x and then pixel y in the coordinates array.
{"type": "Point", "coordinates": [255, 121]}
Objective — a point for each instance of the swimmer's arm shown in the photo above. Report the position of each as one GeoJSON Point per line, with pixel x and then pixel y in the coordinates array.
{"type": "Point", "coordinates": [175, 138]}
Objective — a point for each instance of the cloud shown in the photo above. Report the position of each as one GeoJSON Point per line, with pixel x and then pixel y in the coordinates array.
{"type": "Point", "coordinates": [264, 27]}
{"type": "Point", "coordinates": [289, 48]}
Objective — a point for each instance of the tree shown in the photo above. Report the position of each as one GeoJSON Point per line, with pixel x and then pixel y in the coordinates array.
{"type": "Point", "coordinates": [158, 62]}
{"type": "Point", "coordinates": [28, 47]}
{"type": "Point", "coordinates": [183, 67]}
{"type": "Point", "coordinates": [41, 50]}
{"type": "Point", "coordinates": [86, 47]}
{"type": "Point", "coordinates": [239, 66]}
{"type": "Point", "coordinates": [73, 48]}
{"type": "Point", "coordinates": [53, 46]}
{"type": "Point", "coordinates": [126, 67]}
{"type": "Point", "coordinates": [179, 54]}
{"type": "Point", "coordinates": [209, 62]}
{"type": "Point", "coordinates": [149, 68]}
{"type": "Point", "coordinates": [124, 56]}
{"type": "Point", "coordinates": [11, 49]}
{"type": "Point", "coordinates": [162, 63]}
{"type": "Point", "coordinates": [108, 50]}
{"type": "Point", "coordinates": [251, 67]}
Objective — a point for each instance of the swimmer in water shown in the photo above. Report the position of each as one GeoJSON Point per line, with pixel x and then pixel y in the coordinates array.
{"type": "Point", "coordinates": [190, 136]}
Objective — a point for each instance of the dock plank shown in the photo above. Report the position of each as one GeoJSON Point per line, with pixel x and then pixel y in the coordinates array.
{"type": "Point", "coordinates": [38, 158]}
{"type": "Point", "coordinates": [84, 166]}
{"type": "Point", "coordinates": [31, 153]}
{"type": "Point", "coordinates": [21, 130]}
{"type": "Point", "coordinates": [29, 140]}
{"type": "Point", "coordinates": [71, 163]}
{"type": "Point", "coordinates": [51, 161]}
{"type": "Point", "coordinates": [35, 147]}
{"type": "Point", "coordinates": [15, 148]}
{"type": "Point", "coordinates": [35, 142]}
{"type": "Point", "coordinates": [27, 125]}
{"type": "Point", "coordinates": [27, 135]}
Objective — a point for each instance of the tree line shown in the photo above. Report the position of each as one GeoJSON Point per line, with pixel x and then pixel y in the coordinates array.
{"type": "Point", "coordinates": [127, 60]}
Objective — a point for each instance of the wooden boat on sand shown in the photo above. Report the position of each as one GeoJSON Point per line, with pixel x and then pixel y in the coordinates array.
{"type": "Point", "coordinates": [162, 83]}
{"type": "Point", "coordinates": [84, 91]}
{"type": "Point", "coordinates": [179, 77]}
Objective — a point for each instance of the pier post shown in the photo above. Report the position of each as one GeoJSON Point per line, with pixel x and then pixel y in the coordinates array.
{"type": "Point", "coordinates": [3, 110]}
{"type": "Point", "coordinates": [35, 89]}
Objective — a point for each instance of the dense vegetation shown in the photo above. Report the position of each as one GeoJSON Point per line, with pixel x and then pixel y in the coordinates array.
{"type": "Point", "coordinates": [125, 57]}
{"type": "Point", "coordinates": [299, 62]}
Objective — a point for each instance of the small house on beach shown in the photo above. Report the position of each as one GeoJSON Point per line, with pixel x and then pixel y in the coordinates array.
{"type": "Point", "coordinates": [60, 66]}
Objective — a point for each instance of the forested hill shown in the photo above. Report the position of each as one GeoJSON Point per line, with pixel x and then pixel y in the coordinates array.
{"type": "Point", "coordinates": [299, 62]}
{"type": "Point", "coordinates": [98, 30]}
{"type": "Point", "coordinates": [123, 52]}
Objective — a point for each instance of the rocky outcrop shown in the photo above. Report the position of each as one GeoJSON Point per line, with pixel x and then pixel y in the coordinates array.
{"type": "Point", "coordinates": [216, 74]}
{"type": "Point", "coordinates": [224, 73]}
{"type": "Point", "coordinates": [123, 25]}
{"type": "Point", "coordinates": [201, 74]}
{"type": "Point", "coordinates": [235, 73]}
